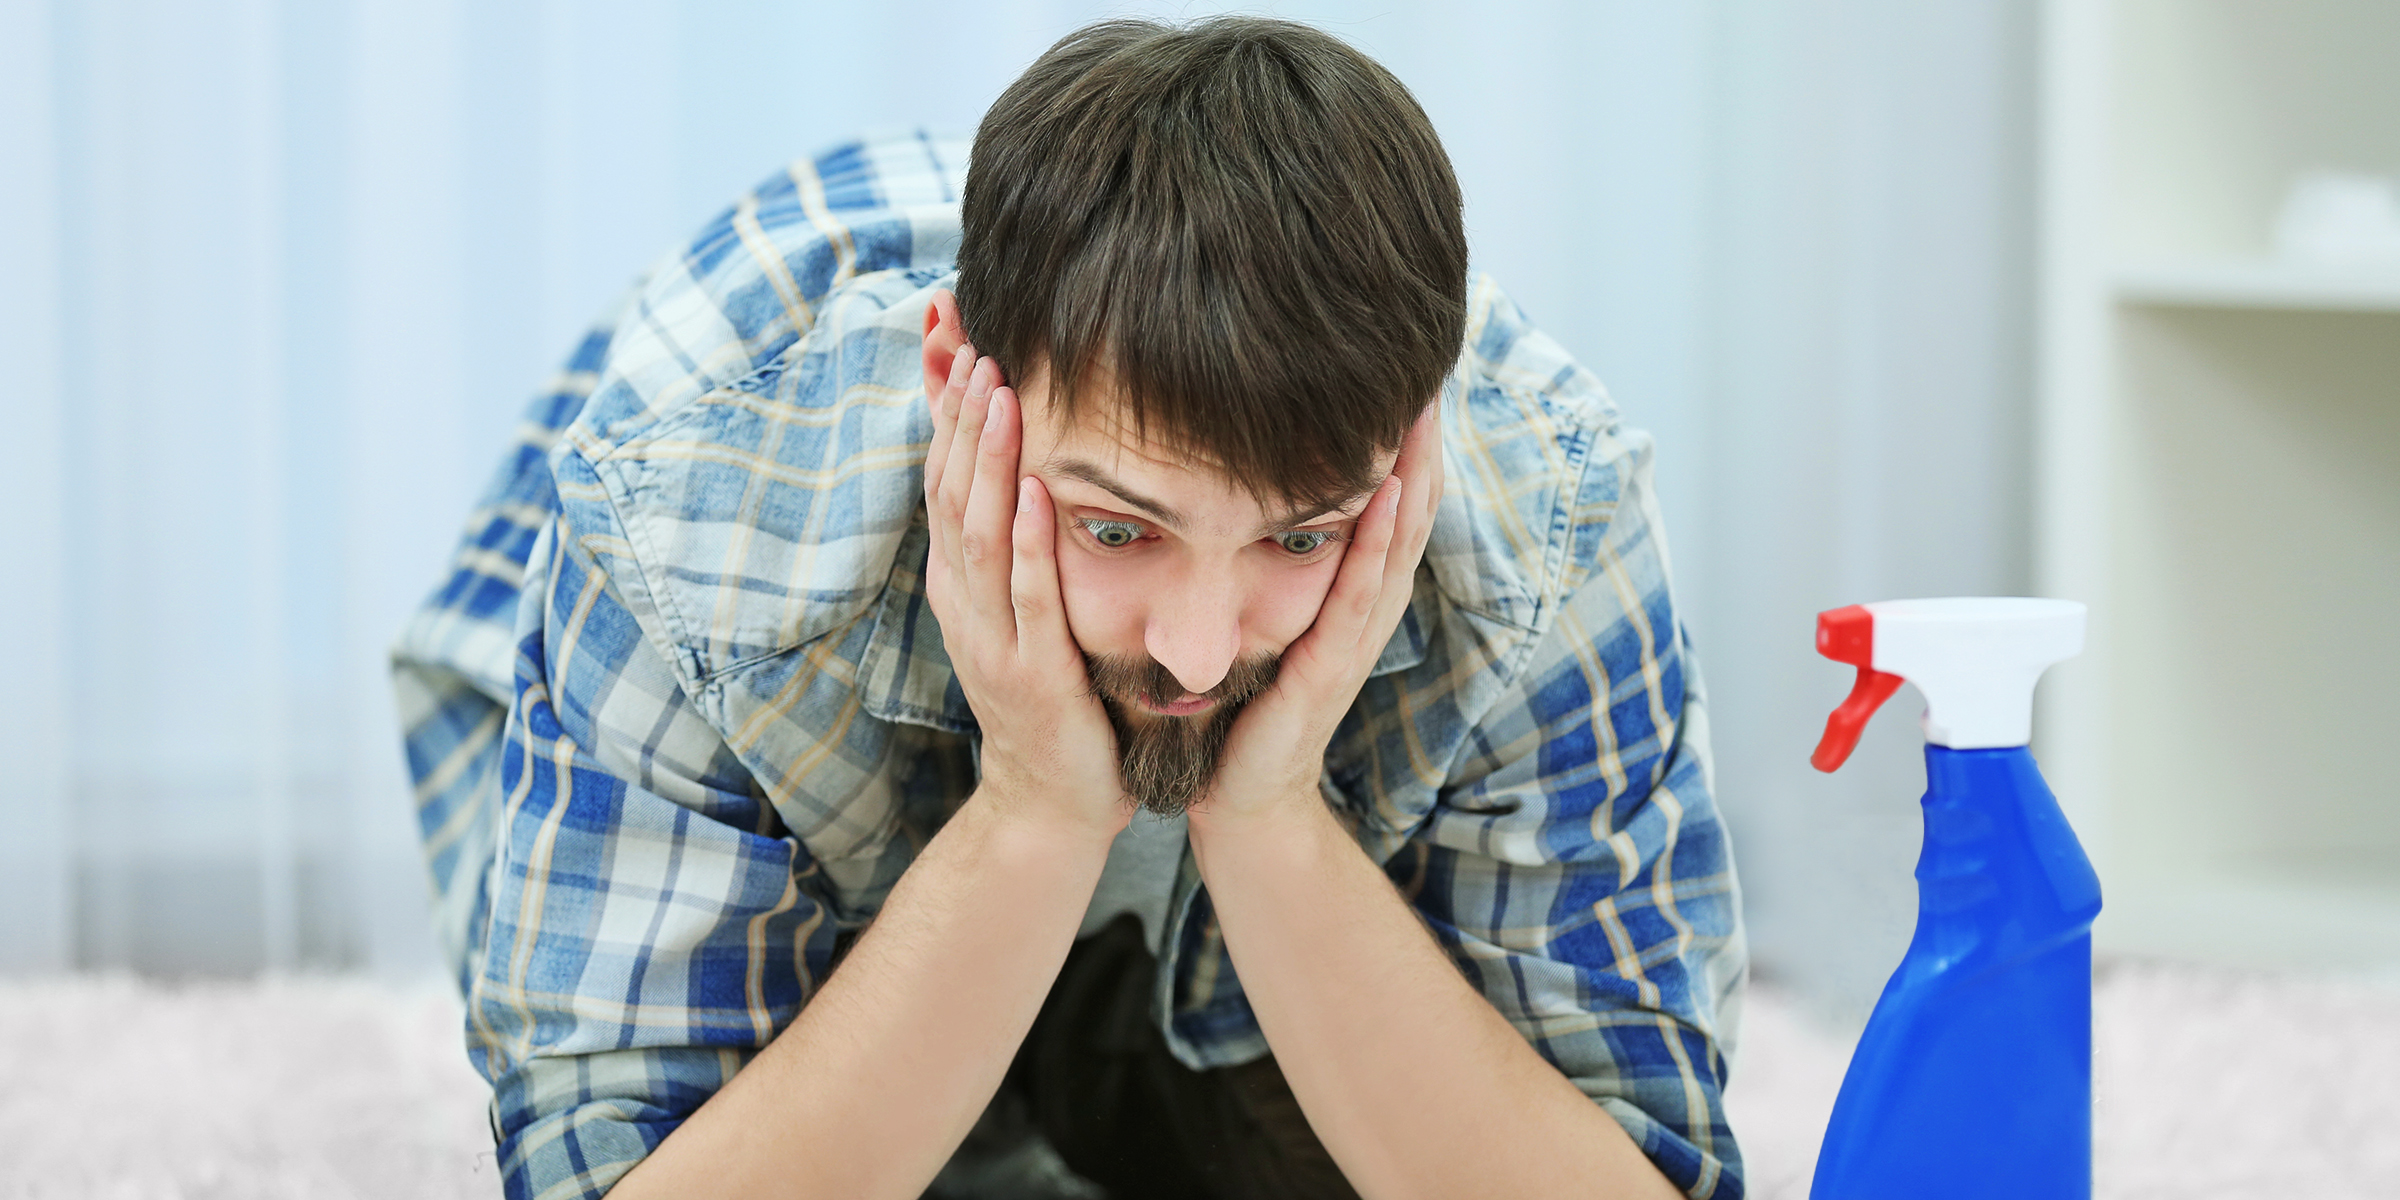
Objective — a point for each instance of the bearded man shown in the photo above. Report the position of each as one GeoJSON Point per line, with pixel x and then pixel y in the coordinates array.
{"type": "Point", "coordinates": [1146, 682]}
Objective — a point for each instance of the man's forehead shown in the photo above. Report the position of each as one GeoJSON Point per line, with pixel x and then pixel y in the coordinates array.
{"type": "Point", "coordinates": [1104, 426]}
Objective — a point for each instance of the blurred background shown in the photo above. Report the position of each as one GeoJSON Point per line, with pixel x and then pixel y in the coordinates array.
{"type": "Point", "coordinates": [1918, 299]}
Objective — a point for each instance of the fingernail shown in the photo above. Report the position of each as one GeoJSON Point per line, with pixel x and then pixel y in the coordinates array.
{"type": "Point", "coordinates": [961, 363]}
{"type": "Point", "coordinates": [981, 381]}
{"type": "Point", "coordinates": [1025, 494]}
{"type": "Point", "coordinates": [995, 416]}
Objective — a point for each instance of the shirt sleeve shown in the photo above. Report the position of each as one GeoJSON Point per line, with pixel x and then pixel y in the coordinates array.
{"type": "Point", "coordinates": [1575, 865]}
{"type": "Point", "coordinates": [453, 664]}
{"type": "Point", "coordinates": [625, 910]}
{"type": "Point", "coordinates": [651, 925]}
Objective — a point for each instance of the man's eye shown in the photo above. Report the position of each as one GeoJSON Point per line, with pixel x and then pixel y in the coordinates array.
{"type": "Point", "coordinates": [1302, 542]}
{"type": "Point", "coordinates": [1116, 535]}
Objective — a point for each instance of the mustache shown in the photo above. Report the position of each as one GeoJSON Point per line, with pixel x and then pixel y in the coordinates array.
{"type": "Point", "coordinates": [1126, 679]}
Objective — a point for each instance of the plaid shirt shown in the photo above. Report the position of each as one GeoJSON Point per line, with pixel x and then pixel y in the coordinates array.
{"type": "Point", "coordinates": [681, 716]}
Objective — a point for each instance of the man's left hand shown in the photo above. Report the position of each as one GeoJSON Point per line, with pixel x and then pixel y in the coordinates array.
{"type": "Point", "coordinates": [1276, 751]}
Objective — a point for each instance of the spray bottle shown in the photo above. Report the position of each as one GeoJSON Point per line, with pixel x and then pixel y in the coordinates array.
{"type": "Point", "coordinates": [1974, 1076]}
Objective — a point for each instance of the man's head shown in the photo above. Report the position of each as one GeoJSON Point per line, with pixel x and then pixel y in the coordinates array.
{"type": "Point", "coordinates": [1224, 269]}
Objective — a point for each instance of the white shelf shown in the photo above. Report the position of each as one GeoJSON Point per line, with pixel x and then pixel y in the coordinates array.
{"type": "Point", "coordinates": [2260, 283]}
{"type": "Point", "coordinates": [2218, 476]}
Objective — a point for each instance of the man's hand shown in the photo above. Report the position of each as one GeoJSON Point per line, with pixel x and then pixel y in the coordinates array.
{"type": "Point", "coordinates": [1277, 749]}
{"type": "Point", "coordinates": [992, 578]}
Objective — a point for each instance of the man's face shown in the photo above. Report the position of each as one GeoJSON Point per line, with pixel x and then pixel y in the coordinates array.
{"type": "Point", "coordinates": [1181, 588]}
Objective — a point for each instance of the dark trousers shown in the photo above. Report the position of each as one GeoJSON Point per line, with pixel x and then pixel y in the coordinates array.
{"type": "Point", "coordinates": [1096, 1080]}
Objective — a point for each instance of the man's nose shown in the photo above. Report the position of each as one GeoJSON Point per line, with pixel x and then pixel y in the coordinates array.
{"type": "Point", "coordinates": [1195, 631]}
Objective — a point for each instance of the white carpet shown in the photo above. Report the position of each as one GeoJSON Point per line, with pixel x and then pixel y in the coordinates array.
{"type": "Point", "coordinates": [119, 1089]}
{"type": "Point", "coordinates": [2211, 1086]}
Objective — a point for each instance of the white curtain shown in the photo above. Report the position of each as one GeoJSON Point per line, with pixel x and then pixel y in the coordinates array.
{"type": "Point", "coordinates": [276, 274]}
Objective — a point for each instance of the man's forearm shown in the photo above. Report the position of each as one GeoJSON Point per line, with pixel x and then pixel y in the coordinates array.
{"type": "Point", "coordinates": [1414, 1082]}
{"type": "Point", "coordinates": [869, 1090]}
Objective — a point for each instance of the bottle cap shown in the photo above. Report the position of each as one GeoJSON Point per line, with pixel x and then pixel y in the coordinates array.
{"type": "Point", "coordinates": [1975, 659]}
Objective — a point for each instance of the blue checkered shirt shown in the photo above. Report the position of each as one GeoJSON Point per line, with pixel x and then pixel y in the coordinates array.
{"type": "Point", "coordinates": [680, 715]}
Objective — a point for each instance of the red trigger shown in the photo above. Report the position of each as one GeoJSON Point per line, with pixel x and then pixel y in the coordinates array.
{"type": "Point", "coordinates": [1847, 635]}
{"type": "Point", "coordinates": [1843, 727]}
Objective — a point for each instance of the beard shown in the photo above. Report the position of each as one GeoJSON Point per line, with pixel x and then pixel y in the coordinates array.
{"type": "Point", "coordinates": [1166, 762]}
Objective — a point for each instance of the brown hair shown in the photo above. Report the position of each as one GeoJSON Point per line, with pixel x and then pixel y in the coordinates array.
{"type": "Point", "coordinates": [1245, 226]}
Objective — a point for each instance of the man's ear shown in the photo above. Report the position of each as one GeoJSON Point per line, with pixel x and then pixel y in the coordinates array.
{"type": "Point", "coordinates": [944, 334]}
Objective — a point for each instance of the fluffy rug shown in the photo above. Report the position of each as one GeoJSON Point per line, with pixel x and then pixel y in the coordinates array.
{"type": "Point", "coordinates": [2211, 1086]}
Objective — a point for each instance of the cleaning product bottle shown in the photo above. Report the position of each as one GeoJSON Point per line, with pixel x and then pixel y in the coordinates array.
{"type": "Point", "coordinates": [1974, 1076]}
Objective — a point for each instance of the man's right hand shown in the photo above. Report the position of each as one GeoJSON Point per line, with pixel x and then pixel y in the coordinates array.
{"type": "Point", "coordinates": [1049, 754]}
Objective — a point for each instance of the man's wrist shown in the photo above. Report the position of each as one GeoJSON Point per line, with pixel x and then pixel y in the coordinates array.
{"type": "Point", "coordinates": [1297, 824]}
{"type": "Point", "coordinates": [1020, 815]}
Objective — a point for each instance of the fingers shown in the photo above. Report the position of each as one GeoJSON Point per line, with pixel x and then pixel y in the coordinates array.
{"type": "Point", "coordinates": [1421, 462]}
{"type": "Point", "coordinates": [1350, 605]}
{"type": "Point", "coordinates": [1375, 535]}
{"type": "Point", "coordinates": [1378, 572]}
{"type": "Point", "coordinates": [947, 493]}
{"type": "Point", "coordinates": [948, 470]}
{"type": "Point", "coordinates": [962, 371]}
{"type": "Point", "coordinates": [974, 407]}
{"type": "Point", "coordinates": [1033, 588]}
{"type": "Point", "coordinates": [1421, 466]}
{"type": "Point", "coordinates": [984, 531]}
{"type": "Point", "coordinates": [945, 418]}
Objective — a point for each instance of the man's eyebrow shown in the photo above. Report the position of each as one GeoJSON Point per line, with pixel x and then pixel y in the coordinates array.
{"type": "Point", "coordinates": [1091, 473]}
{"type": "Point", "coordinates": [1306, 516]}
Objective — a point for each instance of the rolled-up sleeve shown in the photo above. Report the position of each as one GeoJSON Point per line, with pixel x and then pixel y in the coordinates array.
{"type": "Point", "coordinates": [651, 923]}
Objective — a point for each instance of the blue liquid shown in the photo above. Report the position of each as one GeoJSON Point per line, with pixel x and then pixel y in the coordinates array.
{"type": "Point", "coordinates": [1974, 1076]}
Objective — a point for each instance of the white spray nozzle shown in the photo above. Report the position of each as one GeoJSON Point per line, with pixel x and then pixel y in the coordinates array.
{"type": "Point", "coordinates": [1975, 658]}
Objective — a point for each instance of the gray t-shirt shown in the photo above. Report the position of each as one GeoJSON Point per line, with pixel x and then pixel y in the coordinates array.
{"type": "Point", "coordinates": [1139, 877]}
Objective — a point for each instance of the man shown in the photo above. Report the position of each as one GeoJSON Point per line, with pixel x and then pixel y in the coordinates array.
{"type": "Point", "coordinates": [792, 701]}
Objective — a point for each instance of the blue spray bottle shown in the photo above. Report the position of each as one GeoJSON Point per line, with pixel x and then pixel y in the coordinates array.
{"type": "Point", "coordinates": [1974, 1076]}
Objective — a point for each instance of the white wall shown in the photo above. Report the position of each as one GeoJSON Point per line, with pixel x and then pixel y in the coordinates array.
{"type": "Point", "coordinates": [1868, 406]}
{"type": "Point", "coordinates": [281, 270]}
